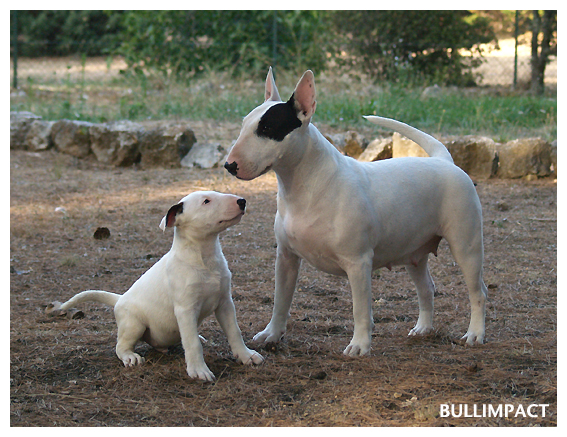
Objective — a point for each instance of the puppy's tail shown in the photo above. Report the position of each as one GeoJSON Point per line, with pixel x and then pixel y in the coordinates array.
{"type": "Point", "coordinates": [104, 297]}
{"type": "Point", "coordinates": [434, 148]}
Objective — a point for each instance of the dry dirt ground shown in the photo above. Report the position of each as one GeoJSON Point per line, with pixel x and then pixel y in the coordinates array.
{"type": "Point", "coordinates": [65, 372]}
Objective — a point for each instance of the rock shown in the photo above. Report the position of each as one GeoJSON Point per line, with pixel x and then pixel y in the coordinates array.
{"type": "Point", "coordinates": [380, 148]}
{"type": "Point", "coordinates": [350, 143]}
{"type": "Point", "coordinates": [476, 155]}
{"type": "Point", "coordinates": [72, 137]}
{"type": "Point", "coordinates": [553, 153]}
{"type": "Point", "coordinates": [39, 135]}
{"type": "Point", "coordinates": [20, 123]}
{"type": "Point", "coordinates": [204, 156]}
{"type": "Point", "coordinates": [166, 145]}
{"type": "Point", "coordinates": [337, 140]}
{"type": "Point", "coordinates": [117, 143]}
{"type": "Point", "coordinates": [527, 156]}
{"type": "Point", "coordinates": [354, 144]}
{"type": "Point", "coordinates": [102, 233]}
{"type": "Point", "coordinates": [403, 147]}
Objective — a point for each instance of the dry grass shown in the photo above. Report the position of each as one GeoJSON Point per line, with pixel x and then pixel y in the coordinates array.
{"type": "Point", "coordinates": [65, 372]}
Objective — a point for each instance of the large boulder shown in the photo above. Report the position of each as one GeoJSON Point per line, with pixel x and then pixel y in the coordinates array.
{"type": "Point", "coordinates": [20, 123]}
{"type": "Point", "coordinates": [72, 137]}
{"type": "Point", "coordinates": [165, 146]}
{"type": "Point", "coordinates": [523, 157]}
{"type": "Point", "coordinates": [476, 155]}
{"type": "Point", "coordinates": [553, 152]}
{"type": "Point", "coordinates": [39, 135]}
{"type": "Point", "coordinates": [117, 143]}
{"type": "Point", "coordinates": [350, 143]}
{"type": "Point", "coordinates": [380, 148]}
{"type": "Point", "coordinates": [403, 147]}
{"type": "Point", "coordinates": [204, 156]}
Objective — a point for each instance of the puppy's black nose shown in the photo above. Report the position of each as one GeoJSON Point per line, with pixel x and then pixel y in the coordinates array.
{"type": "Point", "coordinates": [232, 168]}
{"type": "Point", "coordinates": [241, 203]}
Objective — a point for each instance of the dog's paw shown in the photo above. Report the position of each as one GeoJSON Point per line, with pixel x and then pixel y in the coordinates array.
{"type": "Point", "coordinates": [471, 338]}
{"type": "Point", "coordinates": [200, 372]}
{"type": "Point", "coordinates": [269, 335]}
{"type": "Point", "coordinates": [250, 358]}
{"type": "Point", "coordinates": [355, 349]}
{"type": "Point", "coordinates": [420, 330]}
{"type": "Point", "coordinates": [132, 359]}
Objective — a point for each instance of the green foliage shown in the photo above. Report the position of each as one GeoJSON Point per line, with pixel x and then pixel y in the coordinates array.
{"type": "Point", "coordinates": [412, 46]}
{"type": "Point", "coordinates": [60, 33]}
{"type": "Point", "coordinates": [422, 44]}
{"type": "Point", "coordinates": [188, 43]}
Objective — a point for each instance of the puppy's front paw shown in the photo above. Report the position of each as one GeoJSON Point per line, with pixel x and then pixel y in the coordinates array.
{"type": "Point", "coordinates": [131, 359]}
{"type": "Point", "coordinates": [200, 371]}
{"type": "Point", "coordinates": [250, 357]}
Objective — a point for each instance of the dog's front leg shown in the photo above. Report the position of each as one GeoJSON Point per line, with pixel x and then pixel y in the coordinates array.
{"type": "Point", "coordinates": [226, 316]}
{"type": "Point", "coordinates": [359, 275]}
{"type": "Point", "coordinates": [188, 328]}
{"type": "Point", "coordinates": [287, 270]}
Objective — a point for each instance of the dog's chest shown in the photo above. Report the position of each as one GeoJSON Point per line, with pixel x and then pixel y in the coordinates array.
{"type": "Point", "coordinates": [311, 239]}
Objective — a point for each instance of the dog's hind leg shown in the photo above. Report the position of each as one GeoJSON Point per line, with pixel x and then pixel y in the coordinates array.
{"type": "Point", "coordinates": [130, 331]}
{"type": "Point", "coordinates": [472, 271]}
{"type": "Point", "coordinates": [467, 249]}
{"type": "Point", "coordinates": [425, 292]}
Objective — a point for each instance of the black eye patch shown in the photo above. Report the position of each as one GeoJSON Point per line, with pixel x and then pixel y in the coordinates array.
{"type": "Point", "coordinates": [278, 121]}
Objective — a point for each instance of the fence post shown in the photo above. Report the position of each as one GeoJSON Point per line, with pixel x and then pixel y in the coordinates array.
{"type": "Point", "coordinates": [15, 39]}
{"type": "Point", "coordinates": [274, 43]}
{"type": "Point", "coordinates": [516, 31]}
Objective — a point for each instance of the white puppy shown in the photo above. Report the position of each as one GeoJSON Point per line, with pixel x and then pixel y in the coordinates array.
{"type": "Point", "coordinates": [350, 218]}
{"type": "Point", "coordinates": [169, 302]}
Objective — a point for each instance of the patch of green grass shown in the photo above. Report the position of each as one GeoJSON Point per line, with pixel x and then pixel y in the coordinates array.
{"type": "Point", "coordinates": [499, 114]}
{"type": "Point", "coordinates": [456, 112]}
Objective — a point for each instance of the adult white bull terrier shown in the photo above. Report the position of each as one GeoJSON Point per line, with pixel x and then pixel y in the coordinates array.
{"type": "Point", "coordinates": [190, 282]}
{"type": "Point", "coordinates": [349, 218]}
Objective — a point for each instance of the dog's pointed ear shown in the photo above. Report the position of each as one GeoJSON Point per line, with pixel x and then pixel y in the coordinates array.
{"type": "Point", "coordinates": [271, 91]}
{"type": "Point", "coordinates": [304, 96]}
{"type": "Point", "coordinates": [169, 220]}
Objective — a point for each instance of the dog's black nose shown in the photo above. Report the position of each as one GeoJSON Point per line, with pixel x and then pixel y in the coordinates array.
{"type": "Point", "coordinates": [232, 168]}
{"type": "Point", "coordinates": [241, 203]}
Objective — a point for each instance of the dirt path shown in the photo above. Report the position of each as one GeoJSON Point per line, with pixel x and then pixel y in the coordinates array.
{"type": "Point", "coordinates": [65, 372]}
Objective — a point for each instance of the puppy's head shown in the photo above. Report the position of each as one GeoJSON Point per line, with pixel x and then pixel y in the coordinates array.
{"type": "Point", "coordinates": [204, 213]}
{"type": "Point", "coordinates": [265, 129]}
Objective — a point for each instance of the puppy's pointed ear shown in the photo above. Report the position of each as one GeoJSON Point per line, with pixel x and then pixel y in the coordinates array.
{"type": "Point", "coordinates": [169, 220]}
{"type": "Point", "coordinates": [271, 91]}
{"type": "Point", "coordinates": [304, 96]}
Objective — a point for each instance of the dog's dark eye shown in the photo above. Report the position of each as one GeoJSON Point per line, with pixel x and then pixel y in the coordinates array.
{"type": "Point", "coordinates": [206, 201]}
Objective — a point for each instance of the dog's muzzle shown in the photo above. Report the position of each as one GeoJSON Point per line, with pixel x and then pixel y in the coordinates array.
{"type": "Point", "coordinates": [241, 203]}
{"type": "Point", "coordinates": [232, 168]}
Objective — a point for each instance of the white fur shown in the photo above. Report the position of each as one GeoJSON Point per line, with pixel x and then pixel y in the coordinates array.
{"type": "Point", "coordinates": [349, 218]}
{"type": "Point", "coordinates": [167, 304]}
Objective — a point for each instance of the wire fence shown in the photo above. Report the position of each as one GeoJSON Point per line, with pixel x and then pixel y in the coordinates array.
{"type": "Point", "coordinates": [497, 69]}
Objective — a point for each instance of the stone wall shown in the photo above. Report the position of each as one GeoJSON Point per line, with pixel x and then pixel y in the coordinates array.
{"type": "Point", "coordinates": [173, 144]}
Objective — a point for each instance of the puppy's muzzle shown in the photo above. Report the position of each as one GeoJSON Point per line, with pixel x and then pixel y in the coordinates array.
{"type": "Point", "coordinates": [231, 168]}
{"type": "Point", "coordinates": [241, 203]}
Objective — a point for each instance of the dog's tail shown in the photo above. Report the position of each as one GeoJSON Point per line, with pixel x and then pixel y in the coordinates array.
{"type": "Point", "coordinates": [104, 297]}
{"type": "Point", "coordinates": [434, 148]}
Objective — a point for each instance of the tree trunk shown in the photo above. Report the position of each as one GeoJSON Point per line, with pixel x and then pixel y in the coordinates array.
{"type": "Point", "coordinates": [541, 51]}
